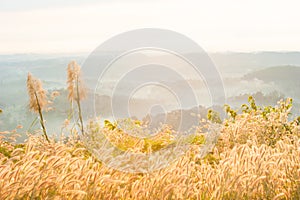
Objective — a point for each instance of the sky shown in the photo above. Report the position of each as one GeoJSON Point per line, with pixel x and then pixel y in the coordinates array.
{"type": "Point", "coordinates": [74, 26]}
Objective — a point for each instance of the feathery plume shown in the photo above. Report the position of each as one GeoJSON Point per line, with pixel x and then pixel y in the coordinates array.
{"type": "Point", "coordinates": [37, 95]}
{"type": "Point", "coordinates": [54, 94]}
{"type": "Point", "coordinates": [37, 99]}
{"type": "Point", "coordinates": [77, 91]}
{"type": "Point", "coordinates": [75, 84]}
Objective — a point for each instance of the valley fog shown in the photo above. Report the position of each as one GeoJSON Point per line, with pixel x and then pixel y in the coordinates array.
{"type": "Point", "coordinates": [268, 76]}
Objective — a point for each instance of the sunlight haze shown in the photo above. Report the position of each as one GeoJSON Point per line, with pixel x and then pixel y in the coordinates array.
{"type": "Point", "coordinates": [80, 26]}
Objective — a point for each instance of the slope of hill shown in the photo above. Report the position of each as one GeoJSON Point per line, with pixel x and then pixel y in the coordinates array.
{"type": "Point", "coordinates": [233, 62]}
{"type": "Point", "coordinates": [285, 73]}
{"type": "Point", "coordinates": [285, 78]}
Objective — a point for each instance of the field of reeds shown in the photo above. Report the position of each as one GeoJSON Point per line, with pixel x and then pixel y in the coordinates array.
{"type": "Point", "coordinates": [257, 156]}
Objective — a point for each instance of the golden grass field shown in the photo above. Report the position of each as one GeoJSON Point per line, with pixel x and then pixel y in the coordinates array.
{"type": "Point", "coordinates": [257, 157]}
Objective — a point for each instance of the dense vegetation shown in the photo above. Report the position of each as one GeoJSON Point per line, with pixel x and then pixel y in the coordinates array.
{"type": "Point", "coordinates": [257, 157]}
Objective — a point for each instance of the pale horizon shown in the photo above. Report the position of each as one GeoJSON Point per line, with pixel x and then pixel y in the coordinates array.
{"type": "Point", "coordinates": [79, 27]}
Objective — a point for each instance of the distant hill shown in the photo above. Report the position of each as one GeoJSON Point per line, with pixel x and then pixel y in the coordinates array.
{"type": "Point", "coordinates": [287, 78]}
{"type": "Point", "coordinates": [234, 62]}
{"type": "Point", "coordinates": [236, 70]}
{"type": "Point", "coordinates": [290, 74]}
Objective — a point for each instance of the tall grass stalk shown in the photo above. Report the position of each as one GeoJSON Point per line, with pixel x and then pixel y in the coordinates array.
{"type": "Point", "coordinates": [37, 99]}
{"type": "Point", "coordinates": [77, 91]}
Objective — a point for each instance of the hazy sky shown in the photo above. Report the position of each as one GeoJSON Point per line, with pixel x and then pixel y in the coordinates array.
{"type": "Point", "coordinates": [56, 26]}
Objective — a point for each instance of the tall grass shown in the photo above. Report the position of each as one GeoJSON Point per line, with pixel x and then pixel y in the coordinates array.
{"type": "Point", "coordinates": [76, 89]}
{"type": "Point", "coordinates": [37, 99]}
{"type": "Point", "coordinates": [256, 157]}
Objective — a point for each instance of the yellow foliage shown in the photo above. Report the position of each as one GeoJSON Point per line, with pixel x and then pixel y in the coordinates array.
{"type": "Point", "coordinates": [245, 164]}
